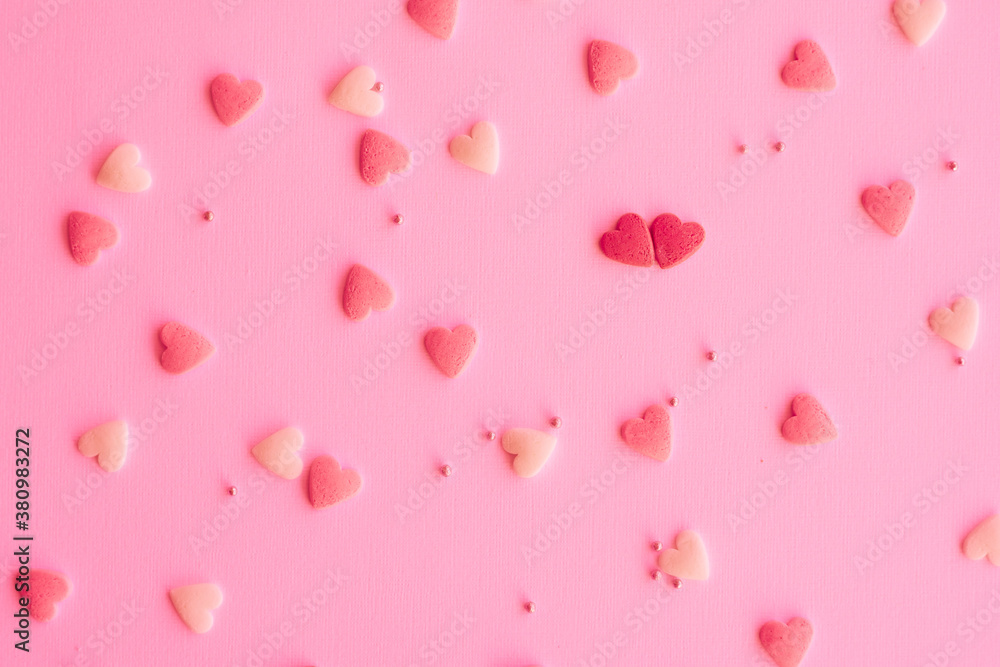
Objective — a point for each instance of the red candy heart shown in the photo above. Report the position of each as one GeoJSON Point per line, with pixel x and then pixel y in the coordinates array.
{"type": "Point", "coordinates": [651, 434]}
{"type": "Point", "coordinates": [673, 241]}
{"type": "Point", "coordinates": [329, 484]}
{"type": "Point", "coordinates": [185, 348]}
{"type": "Point", "coordinates": [608, 63]}
{"type": "Point", "coordinates": [380, 156]}
{"type": "Point", "coordinates": [435, 16]}
{"type": "Point", "coordinates": [786, 644]}
{"type": "Point", "coordinates": [630, 243]}
{"type": "Point", "coordinates": [88, 235]}
{"type": "Point", "coordinates": [363, 291]}
{"type": "Point", "coordinates": [889, 207]}
{"type": "Point", "coordinates": [233, 100]}
{"type": "Point", "coordinates": [45, 590]}
{"type": "Point", "coordinates": [810, 70]}
{"type": "Point", "coordinates": [451, 350]}
{"type": "Point", "coordinates": [809, 423]}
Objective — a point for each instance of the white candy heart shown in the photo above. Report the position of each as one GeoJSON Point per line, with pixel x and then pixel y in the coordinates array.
{"type": "Point", "coordinates": [121, 171]}
{"type": "Point", "coordinates": [531, 449]}
{"type": "Point", "coordinates": [480, 149]}
{"type": "Point", "coordinates": [957, 325]}
{"type": "Point", "coordinates": [108, 442]}
{"type": "Point", "coordinates": [354, 93]}
{"type": "Point", "coordinates": [918, 20]}
{"type": "Point", "coordinates": [277, 452]}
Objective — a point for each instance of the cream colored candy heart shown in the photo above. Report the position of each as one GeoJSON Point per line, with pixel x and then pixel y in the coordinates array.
{"type": "Point", "coordinates": [984, 540]}
{"type": "Point", "coordinates": [531, 449]}
{"type": "Point", "coordinates": [957, 325]}
{"type": "Point", "coordinates": [121, 171]}
{"type": "Point", "coordinates": [689, 560]}
{"type": "Point", "coordinates": [918, 20]}
{"type": "Point", "coordinates": [194, 604]}
{"type": "Point", "coordinates": [480, 149]}
{"type": "Point", "coordinates": [108, 442]}
{"type": "Point", "coordinates": [277, 452]}
{"type": "Point", "coordinates": [354, 93]}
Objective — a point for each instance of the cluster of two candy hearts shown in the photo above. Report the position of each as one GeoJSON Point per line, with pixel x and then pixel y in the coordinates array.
{"type": "Point", "coordinates": [328, 483]}
{"type": "Point", "coordinates": [667, 239]}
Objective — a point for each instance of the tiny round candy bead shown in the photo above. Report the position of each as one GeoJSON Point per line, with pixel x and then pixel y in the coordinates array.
{"type": "Point", "coordinates": [232, 491]}
{"type": "Point", "coordinates": [674, 401]}
{"type": "Point", "coordinates": [780, 146]}
{"type": "Point", "coordinates": [398, 219]}
{"type": "Point", "coordinates": [678, 583]}
{"type": "Point", "coordinates": [446, 470]}
{"type": "Point", "coordinates": [530, 607]}
{"type": "Point", "coordinates": [712, 356]}
{"type": "Point", "coordinates": [209, 216]}
{"type": "Point", "coordinates": [657, 546]}
{"type": "Point", "coordinates": [556, 422]}
{"type": "Point", "coordinates": [953, 165]}
{"type": "Point", "coordinates": [657, 575]}
{"type": "Point", "coordinates": [491, 435]}
{"type": "Point", "coordinates": [378, 87]}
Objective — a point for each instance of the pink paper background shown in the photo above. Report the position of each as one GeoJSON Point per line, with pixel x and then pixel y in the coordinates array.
{"type": "Point", "coordinates": [793, 227]}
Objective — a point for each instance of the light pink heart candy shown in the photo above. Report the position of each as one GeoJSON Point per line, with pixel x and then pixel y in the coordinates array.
{"type": "Point", "coordinates": [277, 452]}
{"type": "Point", "coordinates": [108, 442]}
{"type": "Point", "coordinates": [649, 435]}
{"type": "Point", "coordinates": [354, 93]}
{"type": "Point", "coordinates": [88, 235]}
{"type": "Point", "coordinates": [451, 351]}
{"type": "Point", "coordinates": [185, 348]}
{"type": "Point", "coordinates": [235, 101]}
{"type": "Point", "coordinates": [121, 171]}
{"type": "Point", "coordinates": [46, 590]}
{"type": "Point", "coordinates": [984, 541]}
{"type": "Point", "coordinates": [809, 70]}
{"type": "Point", "coordinates": [195, 603]}
{"type": "Point", "coordinates": [889, 207]}
{"type": "Point", "coordinates": [786, 644]}
{"type": "Point", "coordinates": [531, 449]}
{"type": "Point", "coordinates": [809, 423]}
{"type": "Point", "coordinates": [959, 324]}
{"type": "Point", "coordinates": [918, 20]}
{"type": "Point", "coordinates": [609, 63]}
{"type": "Point", "coordinates": [689, 560]}
{"type": "Point", "coordinates": [480, 149]}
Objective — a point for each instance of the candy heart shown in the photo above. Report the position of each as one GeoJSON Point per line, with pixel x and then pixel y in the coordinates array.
{"type": "Point", "coordinates": [480, 149]}
{"type": "Point", "coordinates": [673, 242]}
{"type": "Point", "coordinates": [984, 541]}
{"type": "Point", "coordinates": [451, 350]}
{"type": "Point", "coordinates": [630, 243]}
{"type": "Point", "coordinates": [435, 16]}
{"type": "Point", "coordinates": [889, 207]}
{"type": "Point", "coordinates": [688, 561]}
{"type": "Point", "coordinates": [194, 604]}
{"type": "Point", "coordinates": [651, 434]}
{"type": "Point", "coordinates": [531, 449]}
{"type": "Point", "coordinates": [108, 442]}
{"type": "Point", "coordinates": [607, 64]}
{"type": "Point", "coordinates": [235, 101]}
{"type": "Point", "coordinates": [185, 348]}
{"type": "Point", "coordinates": [88, 235]}
{"type": "Point", "coordinates": [46, 589]}
{"type": "Point", "coordinates": [329, 484]}
{"type": "Point", "coordinates": [277, 452]}
{"type": "Point", "coordinates": [786, 644]}
{"type": "Point", "coordinates": [363, 291]}
{"type": "Point", "coordinates": [810, 69]}
{"type": "Point", "coordinates": [809, 423]}
{"type": "Point", "coordinates": [959, 324]}
{"type": "Point", "coordinates": [918, 20]}
{"type": "Point", "coordinates": [354, 93]}
{"type": "Point", "coordinates": [121, 171]}
{"type": "Point", "coordinates": [381, 155]}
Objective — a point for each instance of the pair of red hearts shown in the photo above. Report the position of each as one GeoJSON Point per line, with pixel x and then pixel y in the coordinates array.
{"type": "Point", "coordinates": [670, 240]}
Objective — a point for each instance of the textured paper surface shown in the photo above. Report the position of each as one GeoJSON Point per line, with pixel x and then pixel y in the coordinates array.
{"type": "Point", "coordinates": [293, 215]}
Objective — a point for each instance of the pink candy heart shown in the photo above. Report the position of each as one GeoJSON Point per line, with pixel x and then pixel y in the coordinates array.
{"type": "Point", "coordinates": [381, 155]}
{"type": "Point", "coordinates": [45, 590]}
{"type": "Point", "coordinates": [185, 348]}
{"type": "Point", "coordinates": [108, 442]}
{"type": "Point", "coordinates": [363, 291]}
{"type": "Point", "coordinates": [438, 17]}
{"type": "Point", "coordinates": [329, 484]}
{"type": "Point", "coordinates": [608, 63]}
{"type": "Point", "coordinates": [810, 70]}
{"type": "Point", "coordinates": [88, 235]}
{"type": "Point", "coordinates": [673, 241]}
{"type": "Point", "coordinates": [195, 603]}
{"type": "Point", "coordinates": [235, 101]}
{"type": "Point", "coordinates": [786, 644]}
{"type": "Point", "coordinates": [649, 435]}
{"type": "Point", "coordinates": [984, 541]}
{"type": "Point", "coordinates": [451, 351]}
{"type": "Point", "coordinates": [689, 560]}
{"type": "Point", "coordinates": [630, 243]}
{"type": "Point", "coordinates": [121, 171]}
{"type": "Point", "coordinates": [809, 423]}
{"type": "Point", "coordinates": [959, 324]}
{"type": "Point", "coordinates": [889, 207]}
